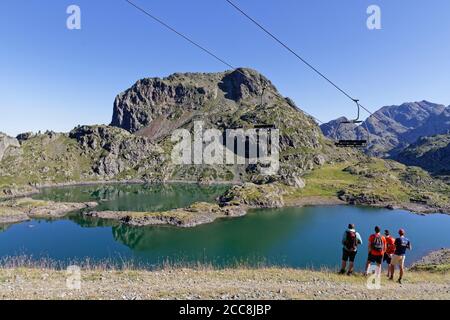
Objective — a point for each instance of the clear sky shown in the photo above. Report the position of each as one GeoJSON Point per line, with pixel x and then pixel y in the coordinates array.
{"type": "Point", "coordinates": [55, 78]}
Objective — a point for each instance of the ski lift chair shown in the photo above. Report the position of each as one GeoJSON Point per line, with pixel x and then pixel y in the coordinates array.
{"type": "Point", "coordinates": [351, 143]}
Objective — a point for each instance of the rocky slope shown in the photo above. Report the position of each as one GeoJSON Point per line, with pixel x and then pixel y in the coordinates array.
{"type": "Point", "coordinates": [430, 153]}
{"type": "Point", "coordinates": [87, 153]}
{"type": "Point", "coordinates": [436, 261]}
{"type": "Point", "coordinates": [6, 144]}
{"type": "Point", "coordinates": [392, 128]}
{"type": "Point", "coordinates": [242, 98]}
{"type": "Point", "coordinates": [137, 145]}
{"type": "Point", "coordinates": [371, 182]}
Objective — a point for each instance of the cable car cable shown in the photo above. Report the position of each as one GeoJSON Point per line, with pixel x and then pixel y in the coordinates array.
{"type": "Point", "coordinates": [298, 56]}
{"type": "Point", "coordinates": [147, 13]}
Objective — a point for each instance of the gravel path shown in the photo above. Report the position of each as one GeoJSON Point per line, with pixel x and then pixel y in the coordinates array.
{"type": "Point", "coordinates": [271, 283]}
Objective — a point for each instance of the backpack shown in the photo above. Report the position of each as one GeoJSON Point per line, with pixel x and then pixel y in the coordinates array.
{"type": "Point", "coordinates": [377, 243]}
{"type": "Point", "coordinates": [390, 245]}
{"type": "Point", "coordinates": [351, 241]}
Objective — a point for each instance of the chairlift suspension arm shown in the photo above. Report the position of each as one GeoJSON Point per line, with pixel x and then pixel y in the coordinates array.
{"type": "Point", "coordinates": [358, 107]}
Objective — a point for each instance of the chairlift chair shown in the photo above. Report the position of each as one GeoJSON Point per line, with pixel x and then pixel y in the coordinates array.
{"type": "Point", "coordinates": [351, 143]}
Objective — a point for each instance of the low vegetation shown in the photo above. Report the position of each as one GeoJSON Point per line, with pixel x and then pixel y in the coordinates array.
{"type": "Point", "coordinates": [22, 209]}
{"type": "Point", "coordinates": [210, 283]}
{"type": "Point", "coordinates": [195, 214]}
{"type": "Point", "coordinates": [435, 262]}
{"type": "Point", "coordinates": [376, 182]}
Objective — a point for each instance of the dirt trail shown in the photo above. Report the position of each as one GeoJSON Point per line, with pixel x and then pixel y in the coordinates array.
{"type": "Point", "coordinates": [269, 283]}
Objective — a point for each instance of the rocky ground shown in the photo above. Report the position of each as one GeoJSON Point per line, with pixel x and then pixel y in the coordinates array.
{"type": "Point", "coordinates": [23, 209]}
{"type": "Point", "coordinates": [429, 278]}
{"type": "Point", "coordinates": [241, 283]}
{"type": "Point", "coordinates": [437, 261]}
{"type": "Point", "coordinates": [430, 153]}
{"type": "Point", "coordinates": [196, 214]}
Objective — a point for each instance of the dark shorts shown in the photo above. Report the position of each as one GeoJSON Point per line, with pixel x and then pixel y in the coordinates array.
{"type": "Point", "coordinates": [348, 255]}
{"type": "Point", "coordinates": [387, 258]}
{"type": "Point", "coordinates": [374, 259]}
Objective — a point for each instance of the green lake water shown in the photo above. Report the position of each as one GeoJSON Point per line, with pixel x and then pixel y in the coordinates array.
{"type": "Point", "coordinates": [295, 237]}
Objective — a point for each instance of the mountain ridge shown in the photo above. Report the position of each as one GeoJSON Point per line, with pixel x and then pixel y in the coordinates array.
{"type": "Point", "coordinates": [430, 153]}
{"type": "Point", "coordinates": [392, 128]}
{"type": "Point", "coordinates": [137, 144]}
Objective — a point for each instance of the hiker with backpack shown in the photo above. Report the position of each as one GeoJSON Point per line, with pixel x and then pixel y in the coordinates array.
{"type": "Point", "coordinates": [390, 249]}
{"type": "Point", "coordinates": [377, 248]}
{"type": "Point", "coordinates": [401, 245]}
{"type": "Point", "coordinates": [350, 241]}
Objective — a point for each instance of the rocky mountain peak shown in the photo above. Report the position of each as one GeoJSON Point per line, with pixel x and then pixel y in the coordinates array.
{"type": "Point", "coordinates": [244, 83]}
{"type": "Point", "coordinates": [180, 93]}
{"type": "Point", "coordinates": [329, 129]}
{"type": "Point", "coordinates": [242, 98]}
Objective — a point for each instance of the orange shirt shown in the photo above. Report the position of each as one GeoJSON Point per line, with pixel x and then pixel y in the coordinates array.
{"type": "Point", "coordinates": [375, 252]}
{"type": "Point", "coordinates": [390, 245]}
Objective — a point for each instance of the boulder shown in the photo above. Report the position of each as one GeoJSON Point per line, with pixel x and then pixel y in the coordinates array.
{"type": "Point", "coordinates": [7, 142]}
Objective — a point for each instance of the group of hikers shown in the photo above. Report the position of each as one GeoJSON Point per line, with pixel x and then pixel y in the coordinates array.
{"type": "Point", "coordinates": [381, 248]}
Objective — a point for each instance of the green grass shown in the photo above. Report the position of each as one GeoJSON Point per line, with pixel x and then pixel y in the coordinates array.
{"type": "Point", "coordinates": [44, 159]}
{"type": "Point", "coordinates": [376, 178]}
{"type": "Point", "coordinates": [433, 268]}
{"type": "Point", "coordinates": [327, 181]}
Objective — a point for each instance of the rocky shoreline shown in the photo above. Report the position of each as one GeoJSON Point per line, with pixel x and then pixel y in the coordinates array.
{"type": "Point", "coordinates": [234, 203]}
{"type": "Point", "coordinates": [415, 208]}
{"type": "Point", "coordinates": [435, 261]}
{"type": "Point", "coordinates": [24, 209]}
{"type": "Point", "coordinates": [36, 189]}
{"type": "Point", "coordinates": [421, 209]}
{"type": "Point", "coordinates": [194, 215]}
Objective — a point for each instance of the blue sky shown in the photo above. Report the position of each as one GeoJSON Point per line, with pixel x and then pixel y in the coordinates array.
{"type": "Point", "coordinates": [55, 78]}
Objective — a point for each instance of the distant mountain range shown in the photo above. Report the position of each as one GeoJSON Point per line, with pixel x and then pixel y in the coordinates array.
{"type": "Point", "coordinates": [392, 129]}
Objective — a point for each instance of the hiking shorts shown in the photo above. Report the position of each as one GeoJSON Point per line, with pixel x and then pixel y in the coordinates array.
{"type": "Point", "coordinates": [375, 259]}
{"type": "Point", "coordinates": [387, 258]}
{"type": "Point", "coordinates": [398, 260]}
{"type": "Point", "coordinates": [348, 255]}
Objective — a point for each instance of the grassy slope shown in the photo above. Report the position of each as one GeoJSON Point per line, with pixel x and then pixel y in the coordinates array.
{"type": "Point", "coordinates": [45, 160]}
{"type": "Point", "coordinates": [430, 153]}
{"type": "Point", "coordinates": [384, 180]}
{"type": "Point", "coordinates": [435, 268]}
